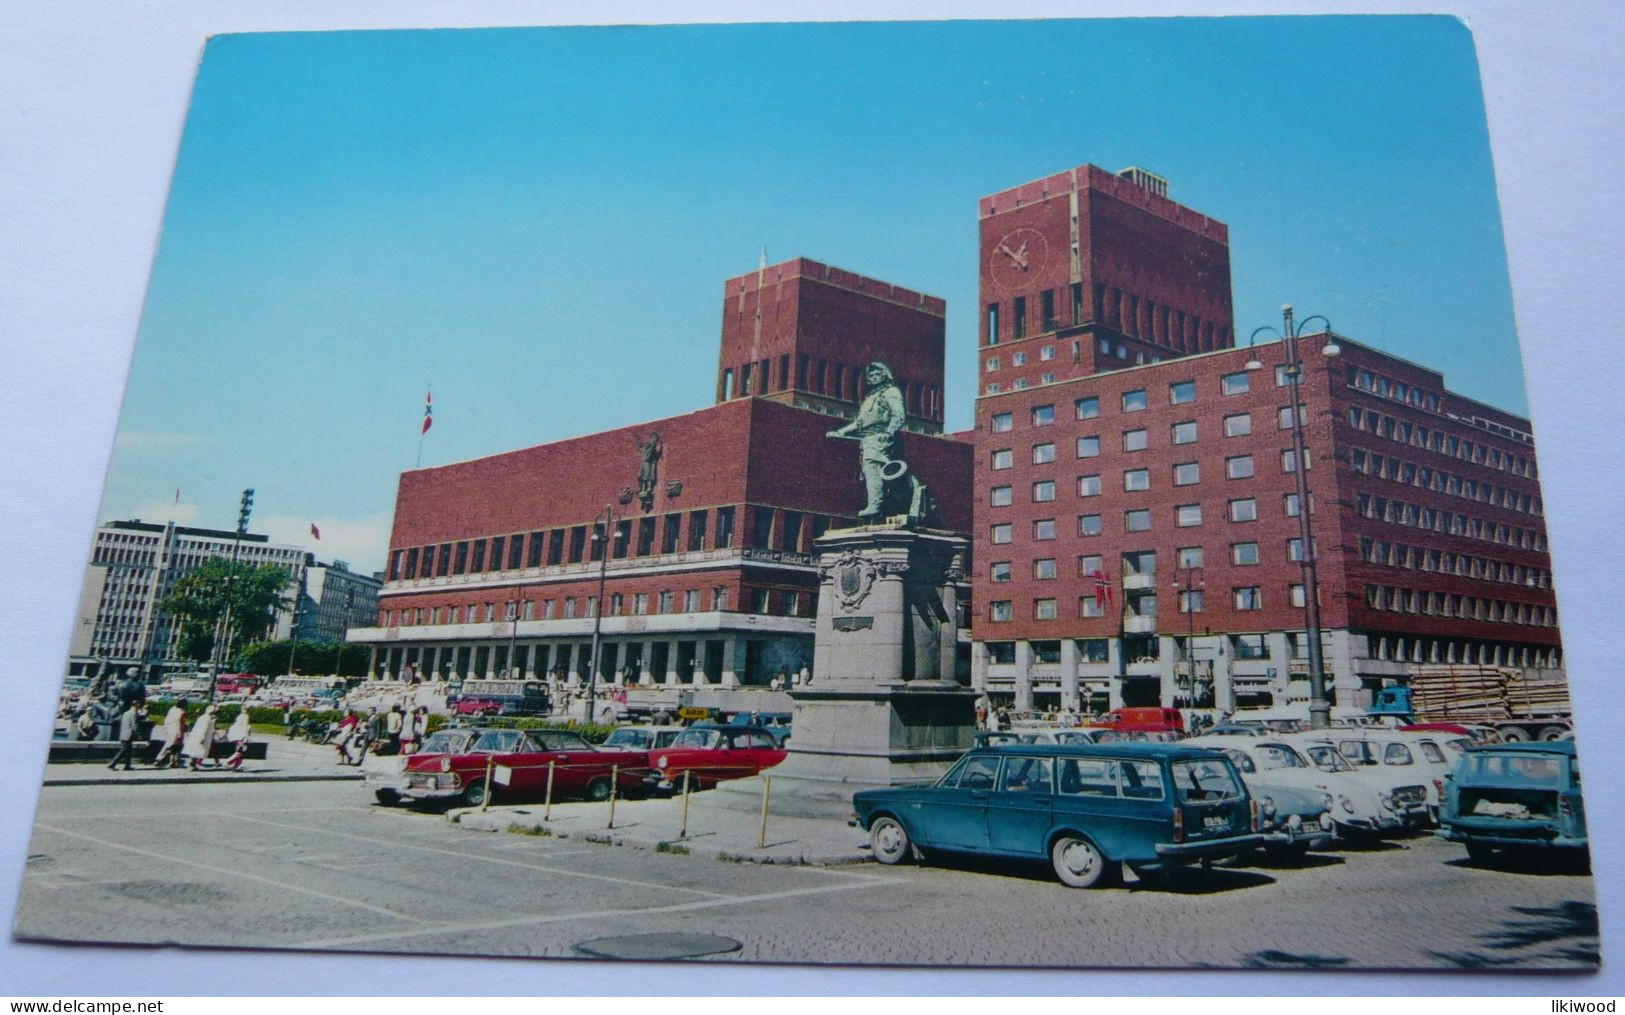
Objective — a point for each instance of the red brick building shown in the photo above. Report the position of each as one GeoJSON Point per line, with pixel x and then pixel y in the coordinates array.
{"type": "Point", "coordinates": [1132, 454]}
{"type": "Point", "coordinates": [494, 563]}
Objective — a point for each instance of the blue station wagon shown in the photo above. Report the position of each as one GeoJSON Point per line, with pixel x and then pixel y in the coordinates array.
{"type": "Point", "coordinates": [1522, 796]}
{"type": "Point", "coordinates": [1088, 809]}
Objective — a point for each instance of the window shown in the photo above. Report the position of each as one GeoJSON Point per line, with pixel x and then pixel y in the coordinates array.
{"type": "Point", "coordinates": [1189, 556]}
{"type": "Point", "coordinates": [1018, 359]}
{"type": "Point", "coordinates": [640, 604]}
{"type": "Point", "coordinates": [1000, 496]}
{"type": "Point", "coordinates": [1182, 392]}
{"type": "Point", "coordinates": [1289, 460]}
{"type": "Point", "coordinates": [1047, 378]}
{"type": "Point", "coordinates": [1136, 479]}
{"type": "Point", "coordinates": [992, 364]}
{"type": "Point", "coordinates": [1184, 433]}
{"type": "Point", "coordinates": [1089, 606]}
{"type": "Point", "coordinates": [1244, 554]}
{"type": "Point", "coordinates": [999, 571]}
{"type": "Point", "coordinates": [1044, 528]}
{"type": "Point", "coordinates": [1043, 609]}
{"type": "Point", "coordinates": [1043, 453]}
{"type": "Point", "coordinates": [691, 601]}
{"type": "Point", "coordinates": [1003, 459]}
{"type": "Point", "coordinates": [1088, 447]}
{"type": "Point", "coordinates": [998, 610]}
{"type": "Point", "coordinates": [1043, 415]}
{"type": "Point", "coordinates": [1292, 505]}
{"type": "Point", "coordinates": [1087, 566]}
{"type": "Point", "coordinates": [1134, 401]}
{"type": "Point", "coordinates": [1283, 375]}
{"type": "Point", "coordinates": [1294, 549]}
{"type": "Point", "coordinates": [1088, 486]}
{"type": "Point", "coordinates": [1186, 515]}
{"type": "Point", "coordinates": [1046, 306]}
{"type": "Point", "coordinates": [1000, 533]}
{"type": "Point", "coordinates": [1047, 353]}
{"type": "Point", "coordinates": [1297, 595]}
{"type": "Point", "coordinates": [725, 528]}
{"type": "Point", "coordinates": [1190, 601]}
{"type": "Point", "coordinates": [1284, 415]}
{"type": "Point", "coordinates": [1186, 473]}
{"type": "Point", "coordinates": [1239, 467]}
{"type": "Point", "coordinates": [1234, 384]}
{"type": "Point", "coordinates": [1239, 425]}
{"type": "Point", "coordinates": [719, 599]}
{"type": "Point", "coordinates": [1250, 646]}
{"type": "Point", "coordinates": [1133, 440]}
{"type": "Point", "coordinates": [1003, 422]}
{"type": "Point", "coordinates": [992, 324]}
{"type": "Point", "coordinates": [1137, 521]}
{"type": "Point", "coordinates": [1088, 525]}
{"type": "Point", "coordinates": [1043, 491]}
{"type": "Point", "coordinates": [1019, 318]}
{"type": "Point", "coordinates": [1248, 598]}
{"type": "Point", "coordinates": [696, 530]}
{"type": "Point", "coordinates": [1088, 408]}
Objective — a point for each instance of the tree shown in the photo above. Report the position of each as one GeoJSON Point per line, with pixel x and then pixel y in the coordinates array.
{"type": "Point", "coordinates": [200, 598]}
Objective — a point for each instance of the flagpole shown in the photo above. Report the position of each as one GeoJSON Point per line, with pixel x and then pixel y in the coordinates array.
{"type": "Point", "coordinates": [428, 420]}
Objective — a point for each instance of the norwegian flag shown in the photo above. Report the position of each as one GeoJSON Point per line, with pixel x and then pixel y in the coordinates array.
{"type": "Point", "coordinates": [428, 411]}
{"type": "Point", "coordinates": [1103, 587]}
{"type": "Point", "coordinates": [314, 531]}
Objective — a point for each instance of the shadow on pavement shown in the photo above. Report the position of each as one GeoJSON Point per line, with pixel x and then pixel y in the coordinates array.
{"type": "Point", "coordinates": [1568, 931]}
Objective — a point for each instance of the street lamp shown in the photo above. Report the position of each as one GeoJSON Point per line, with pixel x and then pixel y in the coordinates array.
{"type": "Point", "coordinates": [1320, 710]}
{"type": "Point", "coordinates": [1189, 584]}
{"type": "Point", "coordinates": [516, 604]}
{"type": "Point", "coordinates": [598, 612]}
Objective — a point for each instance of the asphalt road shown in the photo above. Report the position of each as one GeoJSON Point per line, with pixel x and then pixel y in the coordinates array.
{"type": "Point", "coordinates": [315, 866]}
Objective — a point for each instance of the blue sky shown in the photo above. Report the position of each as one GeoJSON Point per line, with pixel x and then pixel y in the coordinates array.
{"type": "Point", "coordinates": [539, 221]}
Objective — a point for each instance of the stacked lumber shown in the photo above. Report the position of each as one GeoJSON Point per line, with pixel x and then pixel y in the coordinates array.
{"type": "Point", "coordinates": [1460, 693]}
{"type": "Point", "coordinates": [1537, 697]}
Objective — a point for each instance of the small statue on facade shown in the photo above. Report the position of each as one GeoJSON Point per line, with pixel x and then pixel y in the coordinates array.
{"type": "Point", "coordinates": [649, 472]}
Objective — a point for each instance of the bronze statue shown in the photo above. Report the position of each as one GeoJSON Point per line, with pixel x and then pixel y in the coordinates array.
{"type": "Point", "coordinates": [878, 431]}
{"type": "Point", "coordinates": [649, 471]}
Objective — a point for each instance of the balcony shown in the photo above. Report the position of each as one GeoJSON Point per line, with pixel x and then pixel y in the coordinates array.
{"type": "Point", "coordinates": [1139, 625]}
{"type": "Point", "coordinates": [1139, 581]}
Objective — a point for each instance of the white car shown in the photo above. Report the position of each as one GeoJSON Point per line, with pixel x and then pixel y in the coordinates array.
{"type": "Point", "coordinates": [1411, 757]}
{"type": "Point", "coordinates": [1401, 804]}
{"type": "Point", "coordinates": [1296, 804]}
{"type": "Point", "coordinates": [640, 738]}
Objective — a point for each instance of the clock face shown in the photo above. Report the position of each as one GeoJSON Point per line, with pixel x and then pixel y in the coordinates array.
{"type": "Point", "coordinates": [1017, 258]}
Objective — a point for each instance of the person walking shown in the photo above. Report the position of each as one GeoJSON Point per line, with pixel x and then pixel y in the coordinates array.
{"type": "Point", "coordinates": [129, 724]}
{"type": "Point", "coordinates": [392, 728]}
{"type": "Point", "coordinates": [174, 731]}
{"type": "Point", "coordinates": [409, 734]}
{"type": "Point", "coordinates": [349, 729]}
{"type": "Point", "coordinates": [200, 742]}
{"type": "Point", "coordinates": [238, 735]}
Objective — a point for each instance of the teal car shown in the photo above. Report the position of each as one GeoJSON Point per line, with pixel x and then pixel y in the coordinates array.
{"type": "Point", "coordinates": [1516, 796]}
{"type": "Point", "coordinates": [1089, 809]}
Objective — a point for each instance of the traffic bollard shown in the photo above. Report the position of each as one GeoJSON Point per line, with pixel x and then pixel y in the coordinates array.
{"type": "Point", "coordinates": [767, 791]}
{"type": "Point", "coordinates": [485, 802]}
{"type": "Point", "coordinates": [614, 780]}
{"type": "Point", "coordinates": [682, 833]}
{"type": "Point", "coordinates": [547, 806]}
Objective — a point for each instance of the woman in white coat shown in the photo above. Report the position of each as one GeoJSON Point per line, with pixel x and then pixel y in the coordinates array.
{"type": "Point", "coordinates": [238, 736]}
{"type": "Point", "coordinates": [200, 742]}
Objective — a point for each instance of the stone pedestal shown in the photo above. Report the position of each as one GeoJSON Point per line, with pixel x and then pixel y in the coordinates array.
{"type": "Point", "coordinates": [882, 706]}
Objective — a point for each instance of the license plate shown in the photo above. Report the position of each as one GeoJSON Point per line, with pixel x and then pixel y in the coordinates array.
{"type": "Point", "coordinates": [1215, 823]}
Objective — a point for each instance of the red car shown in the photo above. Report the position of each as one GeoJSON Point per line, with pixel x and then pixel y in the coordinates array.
{"type": "Point", "coordinates": [1146, 719]}
{"type": "Point", "coordinates": [713, 752]}
{"type": "Point", "coordinates": [476, 706]}
{"type": "Point", "coordinates": [518, 766]}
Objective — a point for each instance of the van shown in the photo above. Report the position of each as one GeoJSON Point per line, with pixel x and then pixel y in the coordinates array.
{"type": "Point", "coordinates": [1150, 720]}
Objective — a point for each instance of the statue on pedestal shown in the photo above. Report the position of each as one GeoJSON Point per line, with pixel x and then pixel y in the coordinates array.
{"type": "Point", "coordinates": [891, 488]}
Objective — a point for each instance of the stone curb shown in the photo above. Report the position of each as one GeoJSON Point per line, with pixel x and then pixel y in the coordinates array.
{"type": "Point", "coordinates": [500, 820]}
{"type": "Point", "coordinates": [152, 780]}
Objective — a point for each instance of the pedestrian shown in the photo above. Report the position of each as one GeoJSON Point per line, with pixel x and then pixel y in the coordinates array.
{"type": "Point", "coordinates": [349, 728]}
{"type": "Point", "coordinates": [200, 742]}
{"type": "Point", "coordinates": [238, 735]}
{"type": "Point", "coordinates": [129, 724]}
{"type": "Point", "coordinates": [174, 731]}
{"type": "Point", "coordinates": [87, 725]}
{"type": "Point", "coordinates": [375, 730]}
{"type": "Point", "coordinates": [409, 735]}
{"type": "Point", "coordinates": [392, 728]}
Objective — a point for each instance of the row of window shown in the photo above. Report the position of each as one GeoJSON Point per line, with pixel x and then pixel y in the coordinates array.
{"type": "Point", "coordinates": [1242, 598]}
{"type": "Point", "coordinates": [1136, 480]}
{"type": "Point", "coordinates": [1372, 464]}
{"type": "Point", "coordinates": [1418, 558]}
{"type": "Point", "coordinates": [1410, 394]}
{"type": "Point", "coordinates": [1138, 400]}
{"type": "Point", "coordinates": [823, 377]}
{"type": "Point", "coordinates": [781, 602]}
{"type": "Point", "coordinates": [1449, 445]}
{"type": "Point", "coordinates": [1399, 512]}
{"type": "Point", "coordinates": [1124, 311]}
{"type": "Point", "coordinates": [1088, 446]}
{"type": "Point", "coordinates": [1441, 604]}
{"type": "Point", "coordinates": [1089, 565]}
{"type": "Point", "coordinates": [1242, 509]}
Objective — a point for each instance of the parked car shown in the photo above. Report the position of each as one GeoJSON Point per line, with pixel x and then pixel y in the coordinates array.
{"type": "Point", "coordinates": [519, 766]}
{"type": "Point", "coordinates": [477, 706]}
{"type": "Point", "coordinates": [1148, 719]}
{"type": "Point", "coordinates": [385, 774]}
{"type": "Point", "coordinates": [1294, 801]}
{"type": "Point", "coordinates": [713, 753]}
{"type": "Point", "coordinates": [1417, 757]}
{"type": "Point", "coordinates": [1232, 729]}
{"type": "Point", "coordinates": [641, 738]}
{"type": "Point", "coordinates": [1088, 809]}
{"type": "Point", "coordinates": [1519, 796]}
{"type": "Point", "coordinates": [1402, 801]}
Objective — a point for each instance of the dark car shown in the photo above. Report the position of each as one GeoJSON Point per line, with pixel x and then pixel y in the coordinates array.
{"type": "Point", "coordinates": [1520, 796]}
{"type": "Point", "coordinates": [1089, 809]}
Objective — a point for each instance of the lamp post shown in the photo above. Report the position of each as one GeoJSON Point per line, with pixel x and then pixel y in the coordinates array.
{"type": "Point", "coordinates": [598, 611]}
{"type": "Point", "coordinates": [222, 645]}
{"type": "Point", "coordinates": [516, 604]}
{"type": "Point", "coordinates": [1319, 708]}
{"type": "Point", "coordinates": [1189, 583]}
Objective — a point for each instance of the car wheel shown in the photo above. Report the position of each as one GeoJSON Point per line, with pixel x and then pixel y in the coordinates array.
{"type": "Point", "coordinates": [1077, 862]}
{"type": "Point", "coordinates": [888, 841]}
{"type": "Point", "coordinates": [598, 790]}
{"type": "Point", "coordinates": [1551, 734]}
{"type": "Point", "coordinates": [1477, 852]}
{"type": "Point", "coordinates": [474, 795]}
{"type": "Point", "coordinates": [387, 797]}
{"type": "Point", "coordinates": [1514, 735]}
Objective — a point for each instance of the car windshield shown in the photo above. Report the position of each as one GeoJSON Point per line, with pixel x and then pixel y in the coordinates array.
{"type": "Point", "coordinates": [627, 737]}
{"type": "Point", "coordinates": [1430, 751]}
{"type": "Point", "coordinates": [696, 738]}
{"type": "Point", "coordinates": [1483, 766]}
{"type": "Point", "coordinates": [1205, 782]}
{"type": "Point", "coordinates": [1358, 752]}
{"type": "Point", "coordinates": [447, 742]}
{"type": "Point", "coordinates": [499, 741]}
{"type": "Point", "coordinates": [1326, 758]}
{"type": "Point", "coordinates": [560, 740]}
{"type": "Point", "coordinates": [1273, 756]}
{"type": "Point", "coordinates": [1239, 759]}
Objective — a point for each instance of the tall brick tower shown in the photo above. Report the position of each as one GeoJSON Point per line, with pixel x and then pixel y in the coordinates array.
{"type": "Point", "coordinates": [801, 332]}
{"type": "Point", "coordinates": [1087, 270]}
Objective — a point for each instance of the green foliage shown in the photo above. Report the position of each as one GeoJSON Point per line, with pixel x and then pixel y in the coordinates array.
{"type": "Point", "coordinates": [200, 598]}
{"type": "Point", "coordinates": [515, 828]}
{"type": "Point", "coordinates": [273, 658]}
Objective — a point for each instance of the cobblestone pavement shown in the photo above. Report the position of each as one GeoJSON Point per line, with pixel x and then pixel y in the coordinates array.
{"type": "Point", "coordinates": [314, 866]}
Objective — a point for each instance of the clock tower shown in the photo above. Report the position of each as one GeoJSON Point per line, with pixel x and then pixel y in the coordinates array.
{"type": "Point", "coordinates": [1087, 270]}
